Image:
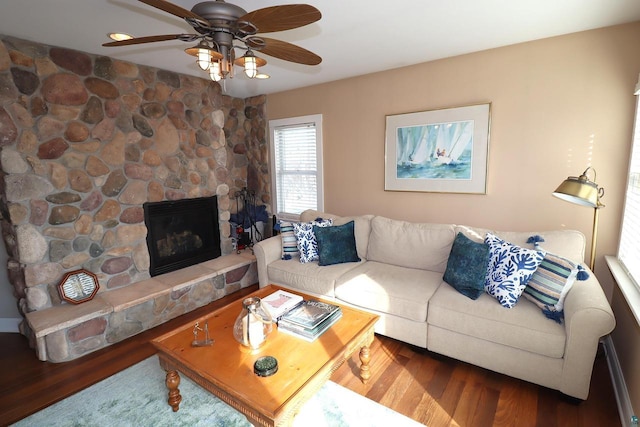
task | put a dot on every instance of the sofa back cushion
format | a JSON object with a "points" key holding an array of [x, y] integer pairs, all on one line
{"points": [[362, 226], [566, 243], [408, 244]]}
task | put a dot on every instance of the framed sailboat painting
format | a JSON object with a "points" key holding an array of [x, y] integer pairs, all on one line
{"points": [[443, 151]]}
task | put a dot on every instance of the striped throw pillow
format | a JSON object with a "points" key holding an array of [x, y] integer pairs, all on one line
{"points": [[289, 241], [550, 284]]}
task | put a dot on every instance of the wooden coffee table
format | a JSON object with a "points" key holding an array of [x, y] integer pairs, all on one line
{"points": [[226, 368]]}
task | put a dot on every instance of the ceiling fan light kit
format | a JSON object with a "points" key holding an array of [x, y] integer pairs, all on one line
{"points": [[223, 27]]}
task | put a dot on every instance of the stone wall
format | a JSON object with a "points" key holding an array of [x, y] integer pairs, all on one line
{"points": [[87, 139]]}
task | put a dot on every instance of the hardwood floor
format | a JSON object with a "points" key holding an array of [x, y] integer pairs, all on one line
{"points": [[432, 389]]}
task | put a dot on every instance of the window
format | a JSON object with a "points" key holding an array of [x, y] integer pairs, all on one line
{"points": [[626, 266], [629, 250], [296, 158]]}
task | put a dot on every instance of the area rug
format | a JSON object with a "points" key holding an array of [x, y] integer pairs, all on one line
{"points": [[136, 397]]}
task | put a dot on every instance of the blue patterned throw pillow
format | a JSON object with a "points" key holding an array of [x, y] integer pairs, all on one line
{"points": [[307, 244], [510, 268]]}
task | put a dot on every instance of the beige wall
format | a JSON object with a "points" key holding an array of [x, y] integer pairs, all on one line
{"points": [[558, 106]]}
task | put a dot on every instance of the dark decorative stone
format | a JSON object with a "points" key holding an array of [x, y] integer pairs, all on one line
{"points": [[237, 274], [81, 244], [92, 112], [74, 61], [38, 107], [103, 68], [26, 81], [240, 149], [133, 215], [63, 214], [8, 129], [141, 124], [250, 112], [114, 184], [168, 77], [124, 121], [193, 118], [92, 201], [173, 181], [58, 249], [90, 328], [202, 138], [132, 153], [116, 265], [63, 198], [52, 149], [102, 88], [64, 89], [95, 250], [153, 110]]}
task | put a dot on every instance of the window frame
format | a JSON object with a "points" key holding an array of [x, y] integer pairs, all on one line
{"points": [[274, 124]]}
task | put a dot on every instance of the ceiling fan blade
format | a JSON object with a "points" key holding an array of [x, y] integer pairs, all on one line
{"points": [[152, 39], [173, 9], [280, 18], [286, 51]]}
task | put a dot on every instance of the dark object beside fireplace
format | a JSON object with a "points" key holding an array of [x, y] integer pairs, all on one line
{"points": [[181, 233]]}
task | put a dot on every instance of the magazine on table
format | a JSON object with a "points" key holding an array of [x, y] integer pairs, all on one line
{"points": [[279, 302], [310, 334], [309, 313]]}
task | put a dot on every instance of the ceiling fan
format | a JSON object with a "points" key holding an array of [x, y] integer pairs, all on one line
{"points": [[223, 27]]}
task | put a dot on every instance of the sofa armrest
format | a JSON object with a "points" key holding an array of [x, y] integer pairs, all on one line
{"points": [[266, 252], [587, 317]]}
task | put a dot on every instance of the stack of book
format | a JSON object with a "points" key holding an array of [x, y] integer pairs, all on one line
{"points": [[309, 319], [279, 302]]}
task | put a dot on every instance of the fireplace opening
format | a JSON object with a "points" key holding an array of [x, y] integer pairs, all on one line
{"points": [[181, 233]]}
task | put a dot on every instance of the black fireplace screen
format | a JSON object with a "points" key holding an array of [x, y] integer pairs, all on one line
{"points": [[181, 233]]}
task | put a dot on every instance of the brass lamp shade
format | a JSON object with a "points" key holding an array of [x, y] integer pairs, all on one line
{"points": [[582, 191], [579, 190]]}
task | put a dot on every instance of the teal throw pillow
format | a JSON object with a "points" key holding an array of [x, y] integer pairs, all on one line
{"points": [[467, 266], [337, 244]]}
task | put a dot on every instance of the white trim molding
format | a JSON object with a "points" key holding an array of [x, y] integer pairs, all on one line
{"points": [[625, 409]]}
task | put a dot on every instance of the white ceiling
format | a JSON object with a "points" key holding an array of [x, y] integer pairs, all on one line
{"points": [[354, 37]]}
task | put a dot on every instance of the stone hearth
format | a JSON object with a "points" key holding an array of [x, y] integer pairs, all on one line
{"points": [[86, 140]]}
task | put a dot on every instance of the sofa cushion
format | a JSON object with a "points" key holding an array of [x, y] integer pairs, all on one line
{"points": [[309, 277], [391, 289], [306, 238], [467, 266], [550, 284], [523, 326], [510, 268], [413, 245], [336, 244]]}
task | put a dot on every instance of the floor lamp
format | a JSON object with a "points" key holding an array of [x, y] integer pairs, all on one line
{"points": [[582, 191]]}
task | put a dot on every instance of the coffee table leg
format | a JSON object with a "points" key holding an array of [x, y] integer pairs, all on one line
{"points": [[173, 381], [365, 357]]}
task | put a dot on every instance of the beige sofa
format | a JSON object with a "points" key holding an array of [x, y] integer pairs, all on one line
{"points": [[400, 278]]}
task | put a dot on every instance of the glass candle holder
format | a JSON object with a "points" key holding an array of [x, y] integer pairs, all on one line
{"points": [[253, 325]]}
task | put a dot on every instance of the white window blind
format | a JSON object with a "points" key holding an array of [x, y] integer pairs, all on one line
{"points": [[629, 250], [296, 164]]}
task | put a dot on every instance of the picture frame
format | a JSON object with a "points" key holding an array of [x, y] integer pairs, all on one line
{"points": [[78, 286], [442, 151]]}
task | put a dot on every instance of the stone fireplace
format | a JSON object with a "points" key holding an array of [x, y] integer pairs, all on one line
{"points": [[85, 142]]}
